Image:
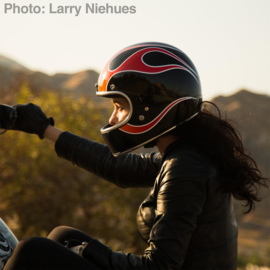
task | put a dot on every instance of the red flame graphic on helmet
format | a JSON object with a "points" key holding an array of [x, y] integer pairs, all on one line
{"points": [[135, 63], [141, 129]]}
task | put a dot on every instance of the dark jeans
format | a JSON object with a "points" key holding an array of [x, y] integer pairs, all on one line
{"points": [[50, 253]]}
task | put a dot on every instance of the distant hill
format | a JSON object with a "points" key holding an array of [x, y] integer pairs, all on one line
{"points": [[6, 62], [250, 112], [13, 75]]}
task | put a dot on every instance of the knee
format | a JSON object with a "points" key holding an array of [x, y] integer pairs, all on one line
{"points": [[24, 253], [27, 246]]}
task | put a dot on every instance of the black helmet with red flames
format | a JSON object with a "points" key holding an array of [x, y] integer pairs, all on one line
{"points": [[163, 90]]}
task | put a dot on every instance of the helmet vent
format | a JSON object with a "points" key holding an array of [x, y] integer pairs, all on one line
{"points": [[112, 86], [141, 117]]}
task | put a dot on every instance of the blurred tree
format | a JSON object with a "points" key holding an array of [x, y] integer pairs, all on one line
{"points": [[40, 191]]}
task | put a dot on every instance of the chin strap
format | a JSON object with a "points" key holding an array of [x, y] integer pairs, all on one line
{"points": [[151, 144]]}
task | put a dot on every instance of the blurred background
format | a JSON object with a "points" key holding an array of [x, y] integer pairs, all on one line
{"points": [[54, 60]]}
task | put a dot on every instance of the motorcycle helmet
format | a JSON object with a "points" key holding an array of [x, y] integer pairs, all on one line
{"points": [[162, 87]]}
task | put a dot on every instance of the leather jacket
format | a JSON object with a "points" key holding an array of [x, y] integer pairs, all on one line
{"points": [[186, 220]]}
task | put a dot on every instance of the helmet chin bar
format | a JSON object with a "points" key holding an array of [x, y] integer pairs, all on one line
{"points": [[109, 138]]}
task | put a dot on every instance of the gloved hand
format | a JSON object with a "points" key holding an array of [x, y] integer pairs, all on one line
{"points": [[8, 116], [31, 119]]}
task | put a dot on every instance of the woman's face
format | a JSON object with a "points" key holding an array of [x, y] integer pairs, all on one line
{"points": [[121, 110]]}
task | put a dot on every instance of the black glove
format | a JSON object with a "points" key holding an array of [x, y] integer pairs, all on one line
{"points": [[8, 116], [31, 119]]}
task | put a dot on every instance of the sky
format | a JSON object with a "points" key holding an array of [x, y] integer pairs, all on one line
{"points": [[228, 41]]}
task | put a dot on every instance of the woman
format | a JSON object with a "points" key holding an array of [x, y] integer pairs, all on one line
{"points": [[187, 220]]}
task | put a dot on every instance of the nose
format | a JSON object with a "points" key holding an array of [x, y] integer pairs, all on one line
{"points": [[113, 119]]}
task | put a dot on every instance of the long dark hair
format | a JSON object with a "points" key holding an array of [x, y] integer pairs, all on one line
{"points": [[223, 143]]}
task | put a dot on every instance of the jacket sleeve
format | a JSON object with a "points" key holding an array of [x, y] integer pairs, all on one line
{"points": [[130, 170], [181, 194]]}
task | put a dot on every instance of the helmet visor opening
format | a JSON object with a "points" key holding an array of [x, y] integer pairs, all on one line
{"points": [[123, 109]]}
